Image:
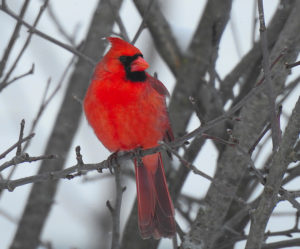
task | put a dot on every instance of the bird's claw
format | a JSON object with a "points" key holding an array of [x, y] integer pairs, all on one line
{"points": [[113, 158], [138, 156]]}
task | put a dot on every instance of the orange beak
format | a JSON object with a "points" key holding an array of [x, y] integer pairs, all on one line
{"points": [[139, 64]]}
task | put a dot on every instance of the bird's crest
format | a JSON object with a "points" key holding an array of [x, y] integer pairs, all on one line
{"points": [[119, 45]]}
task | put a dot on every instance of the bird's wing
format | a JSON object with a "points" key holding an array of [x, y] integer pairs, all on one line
{"points": [[158, 86]]}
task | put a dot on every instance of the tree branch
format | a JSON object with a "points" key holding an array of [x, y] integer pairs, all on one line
{"points": [[232, 166], [33, 30], [13, 38], [161, 32], [276, 133], [116, 211], [16, 145], [42, 194], [274, 179]]}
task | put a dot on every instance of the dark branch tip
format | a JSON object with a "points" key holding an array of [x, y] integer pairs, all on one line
{"points": [[109, 206]]}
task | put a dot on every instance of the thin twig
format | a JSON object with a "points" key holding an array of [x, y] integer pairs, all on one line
{"points": [[230, 112], [33, 30], [220, 140], [5, 84], [79, 157], [104, 165], [197, 110], [257, 173], [282, 244], [269, 197], [288, 233], [125, 172], [185, 214], [286, 195], [288, 66], [59, 26], [254, 18], [176, 143], [11, 184], [289, 89], [119, 21], [276, 133], [19, 148], [13, 38], [116, 211], [14, 65], [187, 164], [16, 145], [179, 231], [290, 197], [79, 165], [268, 127], [24, 158], [142, 25], [292, 174], [45, 102], [174, 241], [196, 171]]}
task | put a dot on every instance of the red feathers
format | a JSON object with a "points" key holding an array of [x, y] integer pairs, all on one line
{"points": [[126, 108]]}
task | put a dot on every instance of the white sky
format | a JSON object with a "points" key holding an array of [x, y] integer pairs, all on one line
{"points": [[76, 201]]}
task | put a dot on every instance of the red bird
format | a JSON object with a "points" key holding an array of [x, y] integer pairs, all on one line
{"points": [[126, 108]]}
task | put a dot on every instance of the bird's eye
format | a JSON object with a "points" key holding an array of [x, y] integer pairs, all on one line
{"points": [[123, 59], [127, 60]]}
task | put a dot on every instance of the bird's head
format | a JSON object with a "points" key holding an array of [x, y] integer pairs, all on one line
{"points": [[126, 58]]}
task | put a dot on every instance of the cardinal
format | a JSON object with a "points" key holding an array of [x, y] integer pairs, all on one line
{"points": [[126, 108]]}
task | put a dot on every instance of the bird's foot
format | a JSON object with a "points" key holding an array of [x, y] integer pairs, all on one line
{"points": [[111, 160], [138, 156]]}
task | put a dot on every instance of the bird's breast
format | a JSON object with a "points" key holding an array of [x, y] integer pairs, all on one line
{"points": [[126, 115]]}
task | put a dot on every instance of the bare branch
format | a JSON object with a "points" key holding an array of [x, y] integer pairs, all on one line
{"points": [[282, 244], [244, 67], [59, 26], [19, 148], [224, 212], [290, 196], [254, 11], [201, 173], [5, 84], [187, 164], [24, 158], [274, 179], [13, 38], [232, 166], [288, 66], [33, 30], [200, 59], [16, 145], [119, 21], [143, 23], [268, 127], [276, 133], [45, 101], [116, 211], [5, 80], [130, 155], [162, 35], [42, 194]]}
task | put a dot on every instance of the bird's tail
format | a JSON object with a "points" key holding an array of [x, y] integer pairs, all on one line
{"points": [[155, 208]]}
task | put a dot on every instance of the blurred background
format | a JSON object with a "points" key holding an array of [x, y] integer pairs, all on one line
{"points": [[79, 217]]}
